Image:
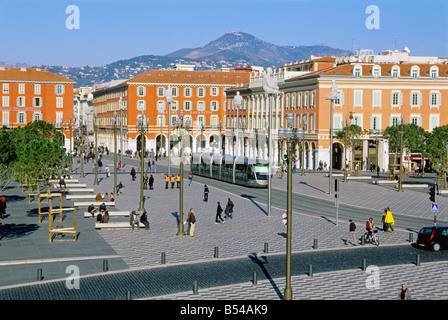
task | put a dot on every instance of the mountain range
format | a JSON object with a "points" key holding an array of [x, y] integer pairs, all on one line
{"points": [[233, 49]]}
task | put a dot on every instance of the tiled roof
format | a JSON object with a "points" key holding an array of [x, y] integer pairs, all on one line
{"points": [[347, 70], [31, 74], [192, 77]]}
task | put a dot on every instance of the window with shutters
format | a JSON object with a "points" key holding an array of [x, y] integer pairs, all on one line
{"points": [[415, 119], [434, 99], [433, 121], [415, 99], [339, 101], [21, 117], [376, 96], [396, 99], [375, 124], [357, 101]]}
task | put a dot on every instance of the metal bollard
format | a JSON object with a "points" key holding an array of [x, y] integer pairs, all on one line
{"points": [[128, 295], [195, 287], [363, 240], [163, 258], [310, 270], [39, 275], [266, 247], [105, 265], [254, 278], [315, 244], [216, 254], [364, 264], [411, 237], [417, 260]]}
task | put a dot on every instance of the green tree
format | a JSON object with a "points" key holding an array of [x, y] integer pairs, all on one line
{"points": [[436, 146]]}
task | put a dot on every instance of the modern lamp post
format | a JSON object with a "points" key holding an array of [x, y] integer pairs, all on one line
{"points": [[169, 99], [288, 135], [237, 103], [332, 96], [143, 128], [400, 184], [95, 130], [70, 158], [114, 128], [180, 125]]}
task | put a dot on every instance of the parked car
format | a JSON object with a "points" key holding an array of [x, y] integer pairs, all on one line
{"points": [[433, 237]]}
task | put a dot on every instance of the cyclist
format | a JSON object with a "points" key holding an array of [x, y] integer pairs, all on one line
{"points": [[369, 228]]}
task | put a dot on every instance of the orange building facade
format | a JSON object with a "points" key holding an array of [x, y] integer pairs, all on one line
{"points": [[30, 94], [200, 94], [372, 96]]}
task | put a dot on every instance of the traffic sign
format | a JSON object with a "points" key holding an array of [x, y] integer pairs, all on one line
{"points": [[434, 207]]}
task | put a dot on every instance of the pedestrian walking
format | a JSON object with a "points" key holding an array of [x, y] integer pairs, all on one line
{"points": [[172, 181], [404, 294], [134, 220], [178, 181], [191, 219], [389, 221], [151, 182], [230, 205], [285, 222], [218, 214], [133, 174], [205, 193], [100, 165], [107, 170], [352, 232], [145, 182], [2, 207], [144, 220], [167, 181], [190, 179]]}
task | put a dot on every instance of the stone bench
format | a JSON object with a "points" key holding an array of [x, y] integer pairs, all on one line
{"points": [[66, 181], [71, 185], [80, 196], [95, 203], [116, 225], [443, 191], [359, 178], [111, 214], [404, 185], [79, 190], [384, 182]]}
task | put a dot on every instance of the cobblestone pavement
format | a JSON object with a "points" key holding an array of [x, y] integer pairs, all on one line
{"points": [[25, 246]]}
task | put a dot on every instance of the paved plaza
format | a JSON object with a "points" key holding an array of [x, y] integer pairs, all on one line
{"points": [[26, 251]]}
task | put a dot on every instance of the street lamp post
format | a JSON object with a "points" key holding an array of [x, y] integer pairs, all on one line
{"points": [[71, 145], [180, 123], [82, 146], [288, 135], [143, 128], [114, 128], [169, 99], [237, 103], [332, 96], [347, 122], [95, 130], [400, 183]]}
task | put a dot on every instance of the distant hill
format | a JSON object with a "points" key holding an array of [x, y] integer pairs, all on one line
{"points": [[233, 49]]}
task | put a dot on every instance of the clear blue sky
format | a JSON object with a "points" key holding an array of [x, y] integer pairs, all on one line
{"points": [[35, 31]]}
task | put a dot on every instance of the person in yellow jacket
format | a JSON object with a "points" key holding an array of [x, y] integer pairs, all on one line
{"points": [[167, 180], [389, 221], [172, 181], [178, 181]]}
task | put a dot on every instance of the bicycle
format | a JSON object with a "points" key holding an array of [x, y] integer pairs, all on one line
{"points": [[374, 239]]}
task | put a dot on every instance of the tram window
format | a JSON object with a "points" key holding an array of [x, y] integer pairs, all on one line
{"points": [[227, 171], [205, 168], [250, 173], [215, 170], [240, 172], [262, 172]]}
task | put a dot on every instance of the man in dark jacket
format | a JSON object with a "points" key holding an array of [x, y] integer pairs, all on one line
{"points": [[352, 230], [218, 214]]}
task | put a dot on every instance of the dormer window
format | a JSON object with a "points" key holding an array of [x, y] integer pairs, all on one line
{"points": [[395, 72], [415, 72], [357, 71], [376, 71], [434, 72]]}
